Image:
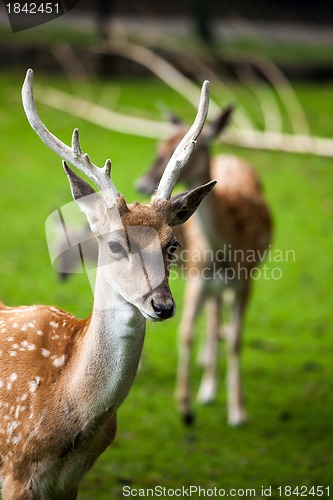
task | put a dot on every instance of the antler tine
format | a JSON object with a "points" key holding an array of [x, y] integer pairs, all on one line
{"points": [[76, 146], [74, 154], [184, 149]]}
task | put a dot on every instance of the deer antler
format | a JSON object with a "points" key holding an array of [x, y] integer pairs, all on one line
{"points": [[74, 155], [184, 149]]}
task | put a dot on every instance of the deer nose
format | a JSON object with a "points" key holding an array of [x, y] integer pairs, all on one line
{"points": [[163, 311]]}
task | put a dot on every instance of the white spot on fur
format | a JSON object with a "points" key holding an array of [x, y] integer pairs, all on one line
{"points": [[17, 439], [34, 384], [30, 347], [45, 353], [39, 332], [10, 339], [11, 427], [12, 353], [13, 377], [58, 362], [54, 324]]}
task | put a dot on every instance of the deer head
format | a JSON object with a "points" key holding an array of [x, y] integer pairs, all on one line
{"points": [[197, 167], [134, 240]]}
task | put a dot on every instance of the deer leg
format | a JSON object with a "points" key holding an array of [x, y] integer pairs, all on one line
{"points": [[236, 411], [208, 386], [228, 296], [193, 300]]}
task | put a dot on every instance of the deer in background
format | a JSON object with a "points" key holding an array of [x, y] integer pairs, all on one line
{"points": [[235, 219], [62, 379]]}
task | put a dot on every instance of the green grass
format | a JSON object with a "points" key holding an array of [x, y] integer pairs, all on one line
{"points": [[288, 343]]}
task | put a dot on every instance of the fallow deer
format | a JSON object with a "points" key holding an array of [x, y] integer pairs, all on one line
{"points": [[62, 379], [232, 224]]}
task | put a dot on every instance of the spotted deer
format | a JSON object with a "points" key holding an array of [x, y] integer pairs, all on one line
{"points": [[62, 379], [224, 243]]}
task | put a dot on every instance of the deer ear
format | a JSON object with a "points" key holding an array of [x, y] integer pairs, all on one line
{"points": [[185, 204], [85, 196], [216, 126], [79, 187]]}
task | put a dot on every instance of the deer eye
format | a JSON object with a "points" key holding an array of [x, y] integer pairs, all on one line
{"points": [[117, 249]]}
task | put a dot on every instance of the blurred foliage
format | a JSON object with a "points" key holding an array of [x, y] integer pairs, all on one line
{"points": [[84, 37]]}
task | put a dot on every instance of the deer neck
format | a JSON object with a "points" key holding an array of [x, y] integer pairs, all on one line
{"points": [[108, 356]]}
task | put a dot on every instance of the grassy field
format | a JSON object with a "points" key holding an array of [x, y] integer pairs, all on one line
{"points": [[288, 343]]}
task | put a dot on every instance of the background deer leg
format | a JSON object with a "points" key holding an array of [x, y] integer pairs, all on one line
{"points": [[209, 357], [236, 412], [192, 306]]}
